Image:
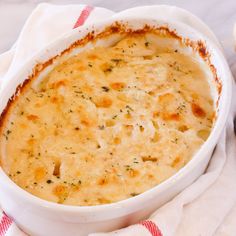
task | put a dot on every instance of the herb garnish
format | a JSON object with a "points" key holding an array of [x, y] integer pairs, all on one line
{"points": [[101, 127], [105, 89], [109, 69]]}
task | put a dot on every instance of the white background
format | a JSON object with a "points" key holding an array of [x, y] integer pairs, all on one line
{"points": [[220, 15]]}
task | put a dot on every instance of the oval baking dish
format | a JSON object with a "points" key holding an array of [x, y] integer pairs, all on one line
{"points": [[31, 212]]}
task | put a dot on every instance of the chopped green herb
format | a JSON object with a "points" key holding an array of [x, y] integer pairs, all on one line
{"points": [[105, 89], [101, 127], [8, 132], [117, 61], [127, 167], [109, 69], [130, 108], [175, 140]]}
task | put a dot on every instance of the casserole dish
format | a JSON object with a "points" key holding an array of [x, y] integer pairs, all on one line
{"points": [[31, 212]]}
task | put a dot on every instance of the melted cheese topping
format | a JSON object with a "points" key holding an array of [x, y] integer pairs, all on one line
{"points": [[108, 124]]}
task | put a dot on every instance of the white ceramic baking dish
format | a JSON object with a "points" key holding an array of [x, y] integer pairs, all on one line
{"points": [[42, 218]]}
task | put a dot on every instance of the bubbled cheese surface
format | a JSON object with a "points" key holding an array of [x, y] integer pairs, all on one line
{"points": [[108, 124]]}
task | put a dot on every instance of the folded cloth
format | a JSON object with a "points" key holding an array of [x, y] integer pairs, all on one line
{"points": [[205, 208]]}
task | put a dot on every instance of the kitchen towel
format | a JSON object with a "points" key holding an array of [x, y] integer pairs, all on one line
{"points": [[208, 206]]}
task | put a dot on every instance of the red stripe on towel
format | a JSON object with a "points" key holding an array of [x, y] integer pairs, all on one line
{"points": [[151, 227], [5, 224], [83, 16]]}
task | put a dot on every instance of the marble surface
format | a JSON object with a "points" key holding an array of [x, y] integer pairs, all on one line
{"points": [[219, 15]]}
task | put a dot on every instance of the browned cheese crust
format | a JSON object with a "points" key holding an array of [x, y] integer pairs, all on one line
{"points": [[109, 123]]}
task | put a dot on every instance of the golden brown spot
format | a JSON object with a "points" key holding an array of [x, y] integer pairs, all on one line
{"points": [[31, 141], [54, 100], [133, 173], [198, 111], [166, 98], [150, 176], [147, 57], [75, 187], [155, 114], [61, 192], [203, 134], [128, 129], [37, 104], [117, 85], [58, 84], [81, 68], [183, 128], [86, 122], [213, 116], [142, 117], [92, 56], [39, 173], [103, 200], [102, 181], [202, 49], [155, 124], [123, 97], [117, 140], [110, 123], [128, 116], [195, 96], [176, 162], [23, 125], [151, 93], [156, 137], [32, 117], [171, 117], [103, 102], [87, 89]]}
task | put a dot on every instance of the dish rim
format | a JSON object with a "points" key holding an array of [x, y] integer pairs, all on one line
{"points": [[139, 199]]}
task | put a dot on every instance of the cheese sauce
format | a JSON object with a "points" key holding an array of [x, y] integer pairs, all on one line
{"points": [[108, 124]]}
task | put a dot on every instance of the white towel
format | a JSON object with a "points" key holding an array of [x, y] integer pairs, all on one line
{"points": [[208, 206]]}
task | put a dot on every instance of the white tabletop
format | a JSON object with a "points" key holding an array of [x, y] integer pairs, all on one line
{"points": [[219, 15]]}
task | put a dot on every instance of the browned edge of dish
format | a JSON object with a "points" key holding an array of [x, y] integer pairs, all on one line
{"points": [[121, 28]]}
